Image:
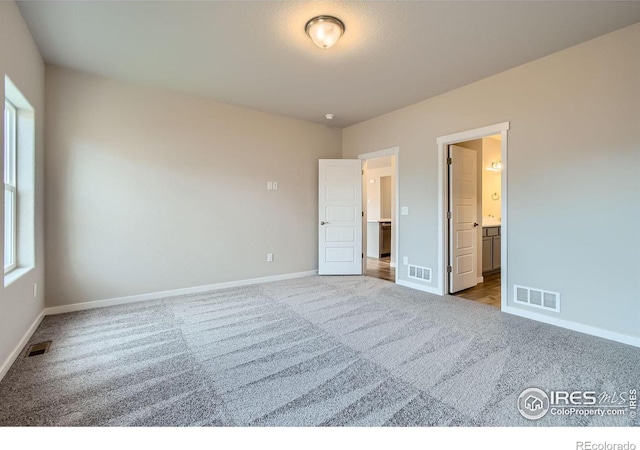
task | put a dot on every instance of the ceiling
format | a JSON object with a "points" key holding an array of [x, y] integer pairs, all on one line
{"points": [[255, 53]]}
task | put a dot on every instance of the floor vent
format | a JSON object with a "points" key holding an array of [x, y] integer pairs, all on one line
{"points": [[419, 273], [38, 349], [537, 298]]}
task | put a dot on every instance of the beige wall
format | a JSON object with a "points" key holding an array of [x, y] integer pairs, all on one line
{"points": [[374, 198], [149, 190], [20, 60], [491, 180], [385, 196], [573, 174]]}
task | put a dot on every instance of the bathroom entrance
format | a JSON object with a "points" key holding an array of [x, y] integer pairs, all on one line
{"points": [[473, 214], [474, 225]]}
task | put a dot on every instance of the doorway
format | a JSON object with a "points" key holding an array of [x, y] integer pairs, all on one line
{"points": [[473, 243], [379, 188], [484, 284]]}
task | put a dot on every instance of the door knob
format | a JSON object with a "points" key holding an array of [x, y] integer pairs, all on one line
{"points": [[475, 224], [324, 223]]}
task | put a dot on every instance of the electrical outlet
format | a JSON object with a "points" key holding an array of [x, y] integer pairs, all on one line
{"points": [[404, 211], [275, 185], [35, 290], [405, 260], [269, 257]]}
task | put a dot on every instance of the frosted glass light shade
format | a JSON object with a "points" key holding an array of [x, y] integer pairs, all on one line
{"points": [[324, 31]]}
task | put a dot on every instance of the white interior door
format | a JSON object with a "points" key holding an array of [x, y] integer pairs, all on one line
{"points": [[463, 205], [340, 216]]}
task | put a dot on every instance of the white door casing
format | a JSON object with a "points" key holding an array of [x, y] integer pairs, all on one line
{"points": [[463, 200], [340, 217]]}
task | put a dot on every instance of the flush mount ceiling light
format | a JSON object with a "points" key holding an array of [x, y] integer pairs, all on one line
{"points": [[324, 31], [328, 116]]}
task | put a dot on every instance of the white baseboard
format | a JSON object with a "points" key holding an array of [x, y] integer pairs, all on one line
{"points": [[164, 294], [480, 280], [392, 264], [6, 365], [587, 329], [419, 287]]}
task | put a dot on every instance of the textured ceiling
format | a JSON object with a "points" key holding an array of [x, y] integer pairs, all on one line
{"points": [[256, 54]]}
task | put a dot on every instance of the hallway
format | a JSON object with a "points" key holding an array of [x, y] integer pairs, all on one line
{"points": [[487, 292], [381, 268]]}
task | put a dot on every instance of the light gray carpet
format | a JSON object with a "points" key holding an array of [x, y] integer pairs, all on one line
{"points": [[330, 351]]}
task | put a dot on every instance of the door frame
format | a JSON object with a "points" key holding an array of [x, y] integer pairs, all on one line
{"points": [[392, 151], [443, 202]]}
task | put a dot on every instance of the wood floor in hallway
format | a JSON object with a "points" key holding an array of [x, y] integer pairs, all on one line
{"points": [[487, 292], [381, 268]]}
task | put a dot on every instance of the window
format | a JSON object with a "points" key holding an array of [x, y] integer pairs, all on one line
{"points": [[10, 187], [19, 184]]}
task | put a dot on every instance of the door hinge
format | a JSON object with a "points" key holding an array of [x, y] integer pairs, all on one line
{"points": [[448, 214], [362, 213], [363, 172], [449, 269], [363, 256], [449, 161]]}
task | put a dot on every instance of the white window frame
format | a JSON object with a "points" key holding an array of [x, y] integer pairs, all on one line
{"points": [[10, 181]]}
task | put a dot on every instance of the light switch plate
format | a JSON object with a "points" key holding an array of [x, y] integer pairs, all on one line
{"points": [[269, 257], [275, 185], [405, 260], [269, 185], [404, 211]]}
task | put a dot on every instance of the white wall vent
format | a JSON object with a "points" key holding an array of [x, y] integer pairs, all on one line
{"points": [[537, 298], [419, 273]]}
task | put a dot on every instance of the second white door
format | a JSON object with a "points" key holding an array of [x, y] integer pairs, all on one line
{"points": [[463, 206]]}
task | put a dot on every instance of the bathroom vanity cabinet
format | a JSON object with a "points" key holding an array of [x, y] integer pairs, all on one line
{"points": [[491, 254]]}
